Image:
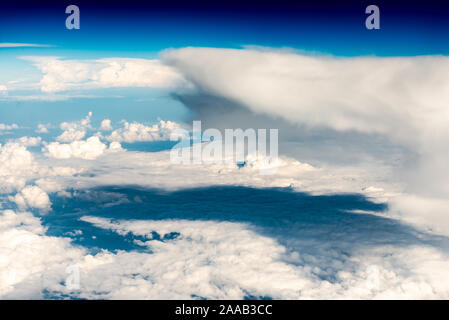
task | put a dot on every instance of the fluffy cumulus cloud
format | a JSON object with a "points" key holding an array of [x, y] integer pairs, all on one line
{"points": [[15, 159], [71, 135], [106, 125], [74, 131], [29, 141], [20, 168], [61, 75], [29, 260], [88, 149], [32, 197], [17, 164], [135, 132]]}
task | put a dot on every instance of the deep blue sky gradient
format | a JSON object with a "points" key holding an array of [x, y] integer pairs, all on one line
{"points": [[144, 28]]}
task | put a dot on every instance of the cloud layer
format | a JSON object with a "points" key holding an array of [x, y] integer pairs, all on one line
{"points": [[401, 97], [62, 75], [220, 260]]}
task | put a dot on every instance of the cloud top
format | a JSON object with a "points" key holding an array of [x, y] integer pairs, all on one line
{"points": [[62, 75], [404, 98]]}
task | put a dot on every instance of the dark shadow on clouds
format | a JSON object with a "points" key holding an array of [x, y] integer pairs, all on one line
{"points": [[314, 145], [299, 221]]}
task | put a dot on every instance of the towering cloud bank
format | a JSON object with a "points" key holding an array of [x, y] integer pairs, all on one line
{"points": [[403, 99]]}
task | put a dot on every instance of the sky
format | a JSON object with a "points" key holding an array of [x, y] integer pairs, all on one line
{"points": [[354, 206], [145, 29]]}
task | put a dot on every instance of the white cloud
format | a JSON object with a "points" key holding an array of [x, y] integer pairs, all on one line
{"points": [[133, 132], [49, 185], [155, 170], [429, 213], [225, 260], [19, 166], [115, 147], [3, 90], [71, 135], [62, 75], [41, 128], [218, 259], [127, 72], [89, 149], [210, 259], [106, 125], [48, 97], [83, 123], [369, 94], [32, 197], [29, 260], [74, 131], [17, 163], [64, 171], [21, 45], [30, 141]]}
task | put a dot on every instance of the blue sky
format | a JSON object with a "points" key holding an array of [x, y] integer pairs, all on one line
{"points": [[144, 29]]}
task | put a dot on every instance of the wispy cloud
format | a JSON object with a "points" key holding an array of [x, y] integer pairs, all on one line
{"points": [[23, 45]]}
